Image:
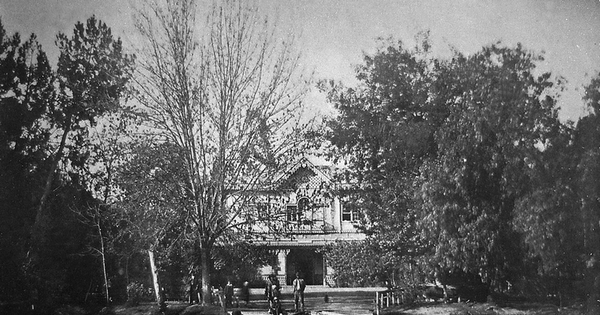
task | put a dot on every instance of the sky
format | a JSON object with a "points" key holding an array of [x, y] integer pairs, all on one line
{"points": [[334, 34]]}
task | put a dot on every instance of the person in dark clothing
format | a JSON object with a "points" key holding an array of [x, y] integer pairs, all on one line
{"points": [[192, 290], [229, 294], [272, 288], [272, 293], [246, 292], [299, 286]]}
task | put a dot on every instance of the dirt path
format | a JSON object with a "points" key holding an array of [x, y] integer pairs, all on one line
{"points": [[483, 309], [362, 304], [456, 309]]}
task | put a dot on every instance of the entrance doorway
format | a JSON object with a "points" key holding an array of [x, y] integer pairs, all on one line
{"points": [[306, 261]]}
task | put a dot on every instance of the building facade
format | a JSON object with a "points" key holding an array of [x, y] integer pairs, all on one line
{"points": [[306, 211]]}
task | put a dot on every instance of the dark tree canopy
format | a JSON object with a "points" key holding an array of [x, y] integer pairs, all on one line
{"points": [[44, 113], [499, 116], [25, 86], [449, 154]]}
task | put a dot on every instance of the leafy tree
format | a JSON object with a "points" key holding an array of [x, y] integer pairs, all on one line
{"points": [[44, 125], [67, 270], [548, 216], [559, 217], [151, 202], [383, 132], [239, 261], [587, 144], [26, 89], [356, 264], [445, 155], [47, 121], [373, 262], [103, 149], [499, 114], [92, 74], [228, 101]]}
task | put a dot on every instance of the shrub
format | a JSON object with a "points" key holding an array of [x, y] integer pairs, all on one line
{"points": [[136, 292]]}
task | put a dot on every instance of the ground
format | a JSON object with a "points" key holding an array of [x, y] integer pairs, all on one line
{"points": [[345, 306], [484, 309], [347, 301]]}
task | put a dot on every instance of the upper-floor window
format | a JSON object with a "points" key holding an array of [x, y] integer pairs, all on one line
{"points": [[303, 205], [263, 211], [293, 214], [349, 213], [296, 212]]}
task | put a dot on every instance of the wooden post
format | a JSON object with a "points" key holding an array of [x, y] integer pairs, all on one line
{"points": [[387, 300]]}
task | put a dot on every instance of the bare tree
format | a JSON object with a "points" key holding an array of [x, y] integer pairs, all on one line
{"points": [[230, 96]]}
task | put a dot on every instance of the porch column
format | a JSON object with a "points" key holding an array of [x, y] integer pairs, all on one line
{"points": [[329, 274], [324, 270], [282, 266], [337, 214]]}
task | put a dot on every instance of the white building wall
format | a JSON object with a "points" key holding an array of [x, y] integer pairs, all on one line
{"points": [[337, 215]]}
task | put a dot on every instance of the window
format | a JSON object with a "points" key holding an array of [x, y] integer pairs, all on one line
{"points": [[303, 206], [263, 211], [349, 214], [292, 213], [296, 212]]}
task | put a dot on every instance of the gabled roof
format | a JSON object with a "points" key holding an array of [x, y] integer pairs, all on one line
{"points": [[303, 168]]}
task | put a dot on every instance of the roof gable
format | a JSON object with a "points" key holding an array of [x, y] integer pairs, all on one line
{"points": [[303, 174]]}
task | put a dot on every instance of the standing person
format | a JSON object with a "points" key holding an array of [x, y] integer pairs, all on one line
{"points": [[272, 292], [272, 288], [228, 294], [276, 285], [246, 292], [268, 289], [192, 290], [299, 286]]}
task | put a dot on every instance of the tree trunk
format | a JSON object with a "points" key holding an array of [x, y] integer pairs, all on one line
{"points": [[593, 288], [48, 187], [593, 272], [155, 280], [102, 254], [205, 264]]}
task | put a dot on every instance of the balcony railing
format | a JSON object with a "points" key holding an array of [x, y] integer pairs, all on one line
{"points": [[309, 227]]}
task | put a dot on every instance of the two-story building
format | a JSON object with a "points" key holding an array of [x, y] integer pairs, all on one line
{"points": [[304, 211]]}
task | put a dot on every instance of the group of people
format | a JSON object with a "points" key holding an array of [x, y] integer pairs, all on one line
{"points": [[273, 294], [229, 294]]}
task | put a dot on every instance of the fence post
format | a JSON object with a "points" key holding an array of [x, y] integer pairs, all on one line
{"points": [[387, 300]]}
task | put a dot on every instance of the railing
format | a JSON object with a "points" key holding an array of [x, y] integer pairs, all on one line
{"points": [[387, 298], [310, 227]]}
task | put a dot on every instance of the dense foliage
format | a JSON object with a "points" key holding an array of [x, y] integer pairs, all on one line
{"points": [[383, 132], [498, 113], [463, 163], [25, 86], [44, 126]]}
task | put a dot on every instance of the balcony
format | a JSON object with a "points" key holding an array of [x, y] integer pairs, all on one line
{"points": [[309, 227]]}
